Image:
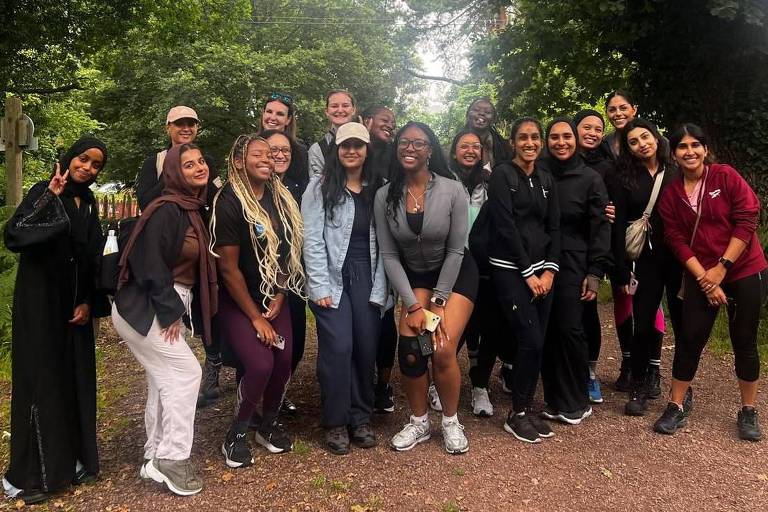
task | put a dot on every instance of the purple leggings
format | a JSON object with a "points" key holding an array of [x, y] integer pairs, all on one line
{"points": [[266, 370]]}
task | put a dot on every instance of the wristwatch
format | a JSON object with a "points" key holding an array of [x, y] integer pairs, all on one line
{"points": [[438, 301], [726, 263]]}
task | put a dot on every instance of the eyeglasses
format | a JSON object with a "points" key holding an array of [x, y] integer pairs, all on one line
{"points": [[281, 97], [418, 144], [285, 150], [476, 146]]}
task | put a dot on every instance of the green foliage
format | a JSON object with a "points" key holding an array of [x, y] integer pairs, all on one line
{"points": [[8, 266], [683, 60], [224, 66], [44, 42]]}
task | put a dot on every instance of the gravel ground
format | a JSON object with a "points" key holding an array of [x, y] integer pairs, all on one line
{"points": [[610, 462]]}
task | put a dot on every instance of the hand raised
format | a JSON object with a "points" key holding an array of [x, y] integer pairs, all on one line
{"points": [[58, 181]]}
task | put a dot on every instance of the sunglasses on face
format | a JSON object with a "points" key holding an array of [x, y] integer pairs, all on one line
{"points": [[418, 144], [281, 97]]}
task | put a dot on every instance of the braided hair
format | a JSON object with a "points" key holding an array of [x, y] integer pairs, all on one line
{"points": [[264, 238]]}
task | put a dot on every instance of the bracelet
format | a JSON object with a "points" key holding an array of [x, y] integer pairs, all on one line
{"points": [[408, 312]]}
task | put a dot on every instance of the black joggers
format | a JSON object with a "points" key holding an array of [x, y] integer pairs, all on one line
{"points": [[527, 320]]}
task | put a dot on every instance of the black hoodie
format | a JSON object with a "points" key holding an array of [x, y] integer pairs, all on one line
{"points": [[525, 217], [585, 233]]}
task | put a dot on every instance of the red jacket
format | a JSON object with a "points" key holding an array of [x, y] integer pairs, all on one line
{"points": [[729, 209]]}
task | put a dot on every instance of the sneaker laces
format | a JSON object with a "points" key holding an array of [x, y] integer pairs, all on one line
{"points": [[413, 429], [453, 430]]}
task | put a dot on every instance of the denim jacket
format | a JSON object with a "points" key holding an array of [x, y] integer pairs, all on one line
{"points": [[325, 248]]}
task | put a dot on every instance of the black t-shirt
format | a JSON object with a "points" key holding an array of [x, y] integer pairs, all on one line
{"points": [[359, 241], [232, 229]]}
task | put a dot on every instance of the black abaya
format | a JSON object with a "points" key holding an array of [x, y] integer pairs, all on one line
{"points": [[53, 406]]}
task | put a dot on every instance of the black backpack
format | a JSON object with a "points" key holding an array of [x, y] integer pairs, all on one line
{"points": [[482, 230]]}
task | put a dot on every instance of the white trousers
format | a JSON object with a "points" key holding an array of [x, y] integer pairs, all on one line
{"points": [[173, 380]]}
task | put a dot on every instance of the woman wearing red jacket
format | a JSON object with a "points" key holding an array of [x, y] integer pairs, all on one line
{"points": [[710, 217]]}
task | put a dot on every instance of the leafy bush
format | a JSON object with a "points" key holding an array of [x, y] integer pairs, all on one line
{"points": [[8, 264]]}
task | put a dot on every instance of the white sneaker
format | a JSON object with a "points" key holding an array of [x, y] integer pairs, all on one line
{"points": [[434, 399], [454, 438], [481, 403], [413, 433]]}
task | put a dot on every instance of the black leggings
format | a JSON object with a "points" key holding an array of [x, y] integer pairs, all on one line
{"points": [[654, 274], [592, 329], [299, 327], [744, 302], [487, 335], [385, 353], [528, 324]]}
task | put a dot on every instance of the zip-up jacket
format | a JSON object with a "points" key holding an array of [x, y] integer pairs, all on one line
{"points": [[525, 217], [729, 209], [585, 234], [440, 244]]}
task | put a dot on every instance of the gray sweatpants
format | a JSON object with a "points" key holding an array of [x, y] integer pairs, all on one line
{"points": [[173, 380]]}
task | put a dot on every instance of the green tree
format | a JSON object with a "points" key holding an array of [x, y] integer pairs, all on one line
{"points": [[684, 60]]}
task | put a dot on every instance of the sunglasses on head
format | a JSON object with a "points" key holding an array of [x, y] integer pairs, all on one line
{"points": [[281, 97]]}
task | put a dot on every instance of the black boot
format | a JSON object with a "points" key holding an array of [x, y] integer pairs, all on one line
{"points": [[638, 400], [624, 382], [653, 382]]}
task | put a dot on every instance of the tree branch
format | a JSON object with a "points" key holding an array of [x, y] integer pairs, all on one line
{"points": [[416, 74], [49, 90]]}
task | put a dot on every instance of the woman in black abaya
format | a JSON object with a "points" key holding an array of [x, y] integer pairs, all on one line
{"points": [[53, 410]]}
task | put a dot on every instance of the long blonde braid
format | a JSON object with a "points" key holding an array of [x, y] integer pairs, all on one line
{"points": [[264, 239]]}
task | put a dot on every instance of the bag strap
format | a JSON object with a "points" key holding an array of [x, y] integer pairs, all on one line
{"points": [[698, 205], [159, 161], [654, 194]]}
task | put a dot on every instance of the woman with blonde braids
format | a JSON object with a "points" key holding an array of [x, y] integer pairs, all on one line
{"points": [[257, 235]]}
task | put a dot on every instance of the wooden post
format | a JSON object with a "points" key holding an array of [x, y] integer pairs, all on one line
{"points": [[13, 152]]}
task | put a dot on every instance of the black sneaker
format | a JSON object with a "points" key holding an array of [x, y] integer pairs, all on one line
{"points": [[672, 419], [273, 437], [548, 413], [237, 453], [384, 400], [624, 382], [520, 426], [575, 417], [638, 401], [363, 436], [749, 428], [541, 426], [337, 440], [288, 408], [653, 383], [209, 385]]}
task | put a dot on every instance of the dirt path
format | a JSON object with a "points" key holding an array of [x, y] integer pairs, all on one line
{"points": [[610, 462]]}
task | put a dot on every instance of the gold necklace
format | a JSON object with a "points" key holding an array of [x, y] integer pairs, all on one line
{"points": [[416, 206]]}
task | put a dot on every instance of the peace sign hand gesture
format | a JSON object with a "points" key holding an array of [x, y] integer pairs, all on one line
{"points": [[58, 181]]}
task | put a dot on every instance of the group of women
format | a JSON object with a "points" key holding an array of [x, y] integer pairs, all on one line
{"points": [[502, 246]]}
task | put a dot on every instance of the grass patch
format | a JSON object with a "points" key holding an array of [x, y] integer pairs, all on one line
{"points": [[458, 471], [318, 481], [720, 340], [450, 507], [339, 486], [300, 447]]}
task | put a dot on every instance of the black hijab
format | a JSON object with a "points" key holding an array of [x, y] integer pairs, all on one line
{"points": [[85, 245], [555, 165], [81, 190]]}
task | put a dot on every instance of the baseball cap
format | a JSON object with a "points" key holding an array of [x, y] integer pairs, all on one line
{"points": [[181, 112], [352, 131]]}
